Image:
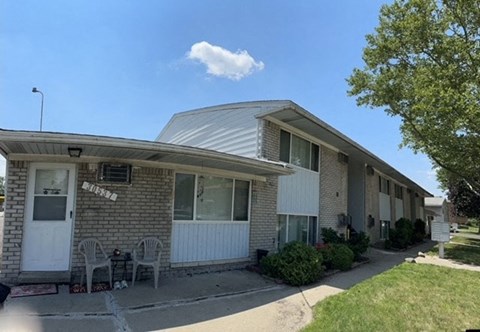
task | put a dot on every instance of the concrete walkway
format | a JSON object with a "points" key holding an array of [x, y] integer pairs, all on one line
{"points": [[227, 301]]}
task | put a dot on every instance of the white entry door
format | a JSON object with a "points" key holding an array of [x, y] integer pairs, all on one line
{"points": [[48, 222]]}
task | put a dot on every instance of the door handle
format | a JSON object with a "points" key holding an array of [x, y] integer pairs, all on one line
{"points": [[71, 214]]}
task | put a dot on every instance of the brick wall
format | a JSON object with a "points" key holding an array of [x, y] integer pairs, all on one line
{"points": [[372, 206], [264, 219], [142, 209], [13, 220], [333, 189]]}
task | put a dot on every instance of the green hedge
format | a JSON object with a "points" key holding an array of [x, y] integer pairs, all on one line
{"points": [[296, 264]]}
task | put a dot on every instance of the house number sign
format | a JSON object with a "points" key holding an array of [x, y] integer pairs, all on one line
{"points": [[99, 191]]}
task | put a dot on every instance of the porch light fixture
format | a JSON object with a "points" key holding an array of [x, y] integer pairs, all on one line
{"points": [[75, 152]]}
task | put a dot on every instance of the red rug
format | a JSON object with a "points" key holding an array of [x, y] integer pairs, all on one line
{"points": [[33, 290], [98, 287]]}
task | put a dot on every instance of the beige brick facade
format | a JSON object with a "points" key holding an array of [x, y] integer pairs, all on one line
{"points": [[333, 189], [143, 208], [372, 206], [13, 220]]}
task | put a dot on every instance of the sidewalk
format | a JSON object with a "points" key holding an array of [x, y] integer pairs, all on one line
{"points": [[227, 301]]}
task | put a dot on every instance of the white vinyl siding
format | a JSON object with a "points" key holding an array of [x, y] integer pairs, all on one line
{"points": [[232, 131], [398, 208], [209, 241], [299, 193], [385, 213]]}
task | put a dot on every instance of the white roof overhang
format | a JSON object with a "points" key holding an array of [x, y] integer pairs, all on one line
{"points": [[53, 147], [296, 117]]}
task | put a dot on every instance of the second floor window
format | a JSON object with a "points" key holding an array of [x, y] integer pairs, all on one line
{"points": [[298, 151], [384, 185]]}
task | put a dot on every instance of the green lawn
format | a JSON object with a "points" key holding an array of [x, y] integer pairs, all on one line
{"points": [[470, 229], [462, 250], [409, 297]]}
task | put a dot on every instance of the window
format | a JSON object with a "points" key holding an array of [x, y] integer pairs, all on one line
{"points": [[296, 228], [200, 197], [50, 195], [115, 173], [384, 185], [398, 191], [298, 151]]}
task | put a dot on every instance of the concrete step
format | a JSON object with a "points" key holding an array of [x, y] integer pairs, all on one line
{"points": [[41, 277]]}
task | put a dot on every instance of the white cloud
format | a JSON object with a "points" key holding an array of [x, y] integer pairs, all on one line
{"points": [[223, 63]]}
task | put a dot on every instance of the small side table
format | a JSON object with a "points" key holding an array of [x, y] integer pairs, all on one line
{"points": [[119, 260]]}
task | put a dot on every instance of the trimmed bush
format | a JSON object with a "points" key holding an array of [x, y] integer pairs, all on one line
{"points": [[297, 264], [327, 253], [419, 230], [329, 235], [342, 257], [401, 237], [358, 242]]}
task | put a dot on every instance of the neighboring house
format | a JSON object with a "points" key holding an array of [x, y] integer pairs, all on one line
{"points": [[62, 188], [436, 209], [336, 181]]}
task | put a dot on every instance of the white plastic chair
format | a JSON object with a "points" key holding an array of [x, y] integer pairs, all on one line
{"points": [[152, 252], [88, 248]]}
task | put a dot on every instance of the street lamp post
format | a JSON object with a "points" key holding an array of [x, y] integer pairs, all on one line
{"points": [[35, 90]]}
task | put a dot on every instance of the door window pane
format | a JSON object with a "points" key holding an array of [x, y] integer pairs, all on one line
{"points": [[51, 182], [240, 206], [49, 207], [300, 152], [284, 146], [184, 188], [214, 198]]}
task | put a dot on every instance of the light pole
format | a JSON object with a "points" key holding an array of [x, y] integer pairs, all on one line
{"points": [[35, 90]]}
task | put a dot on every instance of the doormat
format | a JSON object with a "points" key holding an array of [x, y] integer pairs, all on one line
{"points": [[33, 290], [97, 287]]}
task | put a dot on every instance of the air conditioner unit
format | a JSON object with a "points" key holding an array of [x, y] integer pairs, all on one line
{"points": [[115, 173]]}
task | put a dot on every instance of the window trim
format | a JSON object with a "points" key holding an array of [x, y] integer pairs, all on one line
{"points": [[195, 190]]}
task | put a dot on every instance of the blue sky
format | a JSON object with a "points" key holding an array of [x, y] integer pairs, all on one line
{"points": [[123, 68]]}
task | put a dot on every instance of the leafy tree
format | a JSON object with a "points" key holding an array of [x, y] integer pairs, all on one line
{"points": [[2, 186], [422, 64], [465, 200]]}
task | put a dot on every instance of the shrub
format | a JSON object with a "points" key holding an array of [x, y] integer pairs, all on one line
{"points": [[327, 254], [401, 237], [329, 235], [419, 230], [297, 264], [342, 257], [358, 243]]}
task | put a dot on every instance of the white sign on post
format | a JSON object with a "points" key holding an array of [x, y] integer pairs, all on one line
{"points": [[441, 231]]}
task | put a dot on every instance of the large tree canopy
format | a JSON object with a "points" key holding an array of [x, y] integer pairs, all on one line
{"points": [[465, 201], [422, 64]]}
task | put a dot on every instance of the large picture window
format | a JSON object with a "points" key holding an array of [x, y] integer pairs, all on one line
{"points": [[201, 197], [296, 228], [298, 151]]}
